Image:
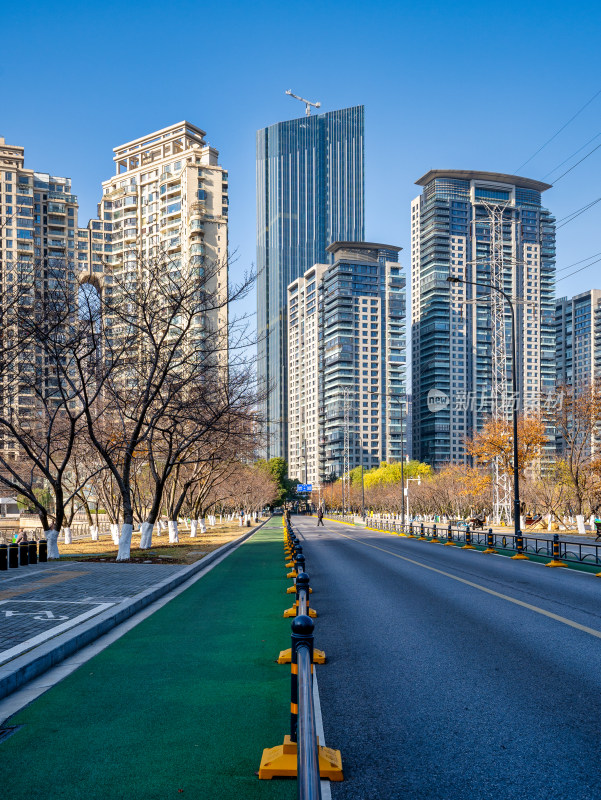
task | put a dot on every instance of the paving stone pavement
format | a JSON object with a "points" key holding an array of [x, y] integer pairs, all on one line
{"points": [[41, 601]]}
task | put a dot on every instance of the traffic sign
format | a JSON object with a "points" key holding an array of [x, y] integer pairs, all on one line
{"points": [[304, 487]]}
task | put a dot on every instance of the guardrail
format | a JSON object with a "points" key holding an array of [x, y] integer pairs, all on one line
{"points": [[555, 548], [301, 754], [350, 518]]}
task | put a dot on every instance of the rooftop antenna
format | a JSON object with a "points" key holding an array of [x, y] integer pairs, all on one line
{"points": [[307, 103]]}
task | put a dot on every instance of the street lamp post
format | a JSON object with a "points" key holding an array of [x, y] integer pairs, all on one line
{"points": [[514, 377]]}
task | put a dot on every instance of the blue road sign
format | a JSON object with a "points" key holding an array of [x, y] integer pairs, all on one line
{"points": [[304, 487]]}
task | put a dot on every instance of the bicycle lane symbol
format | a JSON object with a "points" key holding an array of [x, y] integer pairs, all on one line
{"points": [[42, 616]]}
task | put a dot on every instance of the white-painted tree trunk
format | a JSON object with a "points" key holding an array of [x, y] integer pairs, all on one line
{"points": [[202, 525], [549, 521], [146, 535], [521, 523], [220, 518], [173, 532], [52, 539], [125, 542], [115, 532], [240, 521], [193, 528], [68, 536], [94, 532], [580, 523]]}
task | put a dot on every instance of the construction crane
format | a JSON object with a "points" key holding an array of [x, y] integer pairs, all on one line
{"points": [[307, 103]]}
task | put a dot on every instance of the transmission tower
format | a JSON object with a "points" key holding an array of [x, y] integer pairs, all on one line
{"points": [[501, 407]]}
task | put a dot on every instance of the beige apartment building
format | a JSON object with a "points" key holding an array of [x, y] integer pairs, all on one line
{"points": [[38, 225], [168, 199]]}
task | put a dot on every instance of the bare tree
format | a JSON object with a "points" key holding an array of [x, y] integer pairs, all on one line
{"points": [[41, 421], [171, 333]]}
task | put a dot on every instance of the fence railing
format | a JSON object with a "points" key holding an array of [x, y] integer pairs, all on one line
{"points": [[571, 552], [301, 755]]}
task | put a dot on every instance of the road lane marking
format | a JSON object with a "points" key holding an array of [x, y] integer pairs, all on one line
{"points": [[509, 599], [34, 641]]}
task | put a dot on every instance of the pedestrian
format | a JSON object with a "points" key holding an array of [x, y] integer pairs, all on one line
{"points": [[22, 538], [320, 517], [598, 528]]}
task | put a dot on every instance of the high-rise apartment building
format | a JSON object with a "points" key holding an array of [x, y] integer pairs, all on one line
{"points": [[38, 216], [578, 339], [310, 189], [38, 225], [347, 362], [168, 199], [482, 227]]}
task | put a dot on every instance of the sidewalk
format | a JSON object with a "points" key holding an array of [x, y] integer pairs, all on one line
{"points": [[182, 704]]}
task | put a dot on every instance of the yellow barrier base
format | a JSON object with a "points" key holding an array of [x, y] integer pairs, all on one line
{"points": [[291, 574], [520, 557], [422, 539], [281, 761], [489, 550], [292, 612], [555, 563], [292, 590], [468, 547], [449, 544], [285, 656]]}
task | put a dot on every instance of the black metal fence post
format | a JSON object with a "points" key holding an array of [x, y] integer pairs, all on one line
{"points": [[43, 551], [468, 539], [490, 544], [23, 554], [13, 556], [519, 546]]}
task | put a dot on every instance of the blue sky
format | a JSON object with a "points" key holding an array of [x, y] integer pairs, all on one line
{"points": [[448, 85]]}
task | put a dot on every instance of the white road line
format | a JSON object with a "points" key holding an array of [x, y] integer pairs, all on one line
{"points": [[515, 601], [28, 644]]}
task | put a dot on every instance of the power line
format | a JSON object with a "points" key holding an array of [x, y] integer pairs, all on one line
{"points": [[571, 217], [582, 260], [563, 127], [556, 181], [578, 270], [575, 153]]}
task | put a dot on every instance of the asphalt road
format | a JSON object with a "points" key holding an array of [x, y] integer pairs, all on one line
{"points": [[482, 682]]}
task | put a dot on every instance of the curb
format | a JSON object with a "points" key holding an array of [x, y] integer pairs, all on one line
{"points": [[23, 669]]}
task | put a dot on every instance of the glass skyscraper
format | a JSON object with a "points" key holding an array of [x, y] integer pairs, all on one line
{"points": [[310, 193], [462, 225]]}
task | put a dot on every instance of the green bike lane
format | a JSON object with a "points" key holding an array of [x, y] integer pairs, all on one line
{"points": [[183, 704]]}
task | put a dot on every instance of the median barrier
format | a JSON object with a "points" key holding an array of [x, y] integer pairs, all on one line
{"points": [[302, 591], [561, 553], [301, 755]]}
